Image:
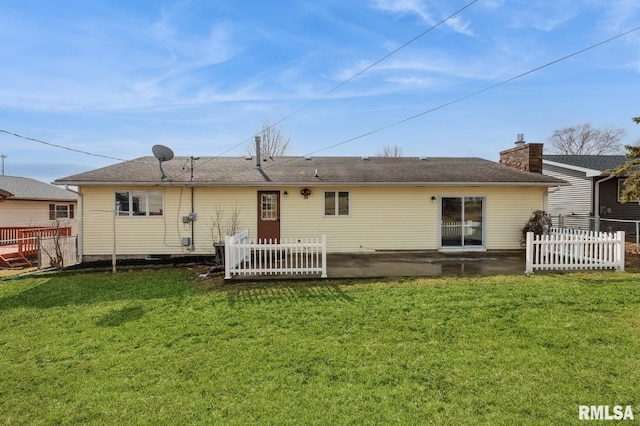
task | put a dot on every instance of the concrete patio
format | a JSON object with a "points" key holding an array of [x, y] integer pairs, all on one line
{"points": [[424, 263]]}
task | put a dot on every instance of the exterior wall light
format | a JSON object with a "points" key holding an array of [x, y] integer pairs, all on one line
{"points": [[305, 192]]}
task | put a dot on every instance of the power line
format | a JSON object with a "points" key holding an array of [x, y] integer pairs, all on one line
{"points": [[433, 27], [380, 129], [388, 55], [359, 73], [486, 89], [62, 147]]}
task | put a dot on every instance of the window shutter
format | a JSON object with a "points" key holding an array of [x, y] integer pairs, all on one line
{"points": [[70, 211], [52, 212]]}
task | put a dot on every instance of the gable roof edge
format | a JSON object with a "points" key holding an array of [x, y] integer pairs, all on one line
{"points": [[586, 171]]}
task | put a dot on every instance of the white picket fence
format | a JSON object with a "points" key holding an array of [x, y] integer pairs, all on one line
{"points": [[573, 249], [246, 256]]}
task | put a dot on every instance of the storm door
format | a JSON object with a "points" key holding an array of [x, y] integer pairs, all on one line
{"points": [[462, 222], [269, 215]]}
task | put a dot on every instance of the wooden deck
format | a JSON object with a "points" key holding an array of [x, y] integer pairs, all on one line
{"points": [[11, 257], [19, 246]]}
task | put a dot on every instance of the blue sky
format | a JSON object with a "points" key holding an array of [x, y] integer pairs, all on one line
{"points": [[114, 78]]}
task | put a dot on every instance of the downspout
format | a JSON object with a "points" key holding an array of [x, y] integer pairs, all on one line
{"points": [[596, 212]]}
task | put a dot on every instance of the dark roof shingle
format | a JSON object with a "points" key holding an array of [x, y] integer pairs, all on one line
{"points": [[315, 170], [592, 162]]}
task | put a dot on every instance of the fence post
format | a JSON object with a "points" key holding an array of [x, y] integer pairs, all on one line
{"points": [[39, 252], [324, 256], [529, 253], [620, 248], [227, 255]]}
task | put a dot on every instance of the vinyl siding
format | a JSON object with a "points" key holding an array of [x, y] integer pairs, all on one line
{"points": [[381, 218], [614, 208], [142, 235], [14, 213], [573, 199]]}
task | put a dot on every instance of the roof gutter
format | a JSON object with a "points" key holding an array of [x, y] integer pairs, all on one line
{"points": [[312, 183]]}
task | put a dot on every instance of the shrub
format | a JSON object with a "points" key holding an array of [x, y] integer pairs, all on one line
{"points": [[539, 223]]}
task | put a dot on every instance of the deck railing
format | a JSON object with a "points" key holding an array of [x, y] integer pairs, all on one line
{"points": [[28, 238], [290, 256], [572, 249]]}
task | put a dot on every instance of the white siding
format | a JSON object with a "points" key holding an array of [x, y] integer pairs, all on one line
{"points": [[381, 218], [15, 213], [573, 199]]}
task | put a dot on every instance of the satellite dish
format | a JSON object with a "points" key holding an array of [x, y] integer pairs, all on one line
{"points": [[162, 153]]}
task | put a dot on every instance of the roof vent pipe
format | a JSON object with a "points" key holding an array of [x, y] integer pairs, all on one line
{"points": [[258, 165], [520, 139]]}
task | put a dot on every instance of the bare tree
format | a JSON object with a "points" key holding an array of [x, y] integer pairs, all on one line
{"points": [[390, 151], [274, 143], [586, 140]]}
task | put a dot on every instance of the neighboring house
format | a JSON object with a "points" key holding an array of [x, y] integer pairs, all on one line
{"points": [[360, 204], [594, 191], [26, 203]]}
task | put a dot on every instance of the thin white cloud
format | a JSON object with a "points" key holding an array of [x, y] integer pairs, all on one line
{"points": [[420, 9]]}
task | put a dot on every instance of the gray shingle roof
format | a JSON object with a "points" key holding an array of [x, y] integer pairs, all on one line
{"points": [[30, 189], [593, 162], [299, 170]]}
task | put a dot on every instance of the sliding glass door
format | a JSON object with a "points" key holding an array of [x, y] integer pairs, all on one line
{"points": [[462, 222]]}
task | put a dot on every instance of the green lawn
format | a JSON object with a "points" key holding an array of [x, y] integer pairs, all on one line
{"points": [[165, 347]]}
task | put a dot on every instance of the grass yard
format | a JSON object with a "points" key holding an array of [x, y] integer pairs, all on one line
{"points": [[165, 347]]}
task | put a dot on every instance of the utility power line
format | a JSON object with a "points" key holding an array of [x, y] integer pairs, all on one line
{"points": [[359, 73], [380, 129], [287, 116], [61, 146], [486, 89]]}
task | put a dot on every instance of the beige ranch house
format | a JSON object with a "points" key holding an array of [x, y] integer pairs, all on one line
{"points": [[184, 206]]}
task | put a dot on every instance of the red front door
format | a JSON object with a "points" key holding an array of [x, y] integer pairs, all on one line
{"points": [[269, 215]]}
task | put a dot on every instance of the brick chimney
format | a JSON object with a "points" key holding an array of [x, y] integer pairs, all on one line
{"points": [[525, 156]]}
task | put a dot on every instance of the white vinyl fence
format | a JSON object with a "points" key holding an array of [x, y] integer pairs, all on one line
{"points": [[572, 249], [246, 256]]}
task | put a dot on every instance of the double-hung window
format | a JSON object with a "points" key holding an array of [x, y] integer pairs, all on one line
{"points": [[139, 203], [60, 211], [336, 203]]}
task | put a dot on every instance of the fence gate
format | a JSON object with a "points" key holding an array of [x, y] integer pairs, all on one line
{"points": [[288, 256]]}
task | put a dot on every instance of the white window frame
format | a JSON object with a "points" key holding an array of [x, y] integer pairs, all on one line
{"points": [[464, 227], [273, 210], [130, 212], [337, 202], [66, 211]]}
